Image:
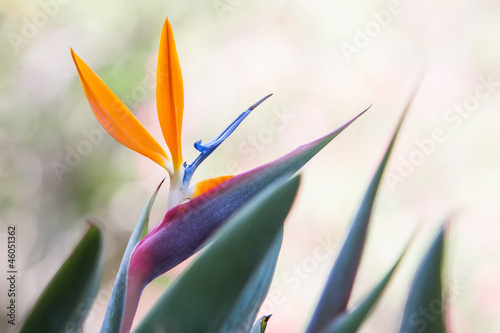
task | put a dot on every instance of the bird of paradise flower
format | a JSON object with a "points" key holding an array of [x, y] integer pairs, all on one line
{"points": [[194, 212]]}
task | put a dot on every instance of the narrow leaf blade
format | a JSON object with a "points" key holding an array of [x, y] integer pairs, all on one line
{"points": [[425, 306], [65, 302], [204, 295], [114, 312], [251, 298], [351, 320], [339, 285]]}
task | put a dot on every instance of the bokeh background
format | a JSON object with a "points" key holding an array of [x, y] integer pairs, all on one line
{"points": [[325, 62]]}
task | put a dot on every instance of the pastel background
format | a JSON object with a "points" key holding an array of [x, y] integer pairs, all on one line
{"points": [[325, 62]]}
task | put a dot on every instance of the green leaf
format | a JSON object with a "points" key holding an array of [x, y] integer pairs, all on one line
{"points": [[260, 325], [425, 306], [351, 320], [201, 299], [65, 302], [114, 312], [251, 298], [339, 285]]}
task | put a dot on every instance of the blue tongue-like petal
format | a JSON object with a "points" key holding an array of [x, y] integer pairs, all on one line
{"points": [[207, 148]]}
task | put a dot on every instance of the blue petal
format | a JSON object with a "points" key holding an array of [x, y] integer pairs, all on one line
{"points": [[207, 148]]}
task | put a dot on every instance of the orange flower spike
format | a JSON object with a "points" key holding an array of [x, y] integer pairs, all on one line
{"points": [[208, 184], [170, 94], [116, 118]]}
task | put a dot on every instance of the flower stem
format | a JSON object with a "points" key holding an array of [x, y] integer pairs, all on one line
{"points": [[135, 286], [177, 190]]}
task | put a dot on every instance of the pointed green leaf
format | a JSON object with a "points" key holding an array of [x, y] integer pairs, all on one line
{"points": [[65, 302], [339, 284], [260, 325], [114, 312], [249, 302], [201, 299], [425, 306], [351, 320]]}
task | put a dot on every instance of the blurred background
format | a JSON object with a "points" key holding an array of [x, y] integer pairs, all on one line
{"points": [[325, 62]]}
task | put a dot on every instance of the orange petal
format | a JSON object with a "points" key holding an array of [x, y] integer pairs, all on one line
{"points": [[208, 184], [116, 118], [170, 94]]}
